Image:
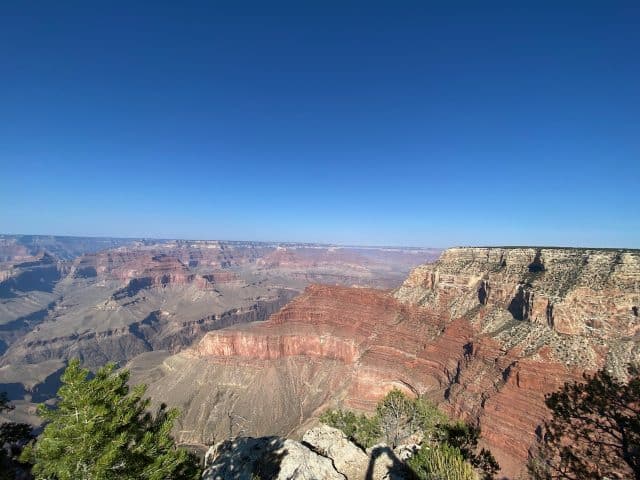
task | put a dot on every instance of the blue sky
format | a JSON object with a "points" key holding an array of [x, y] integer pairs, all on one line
{"points": [[395, 123]]}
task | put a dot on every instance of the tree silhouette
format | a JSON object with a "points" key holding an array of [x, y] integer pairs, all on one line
{"points": [[594, 431], [12, 437], [465, 437]]}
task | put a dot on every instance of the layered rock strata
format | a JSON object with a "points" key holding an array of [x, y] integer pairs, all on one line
{"points": [[485, 332], [104, 300], [572, 291]]}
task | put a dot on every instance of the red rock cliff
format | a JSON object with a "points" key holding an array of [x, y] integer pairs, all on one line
{"points": [[486, 332]]}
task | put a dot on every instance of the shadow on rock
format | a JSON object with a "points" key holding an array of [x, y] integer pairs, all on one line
{"points": [[384, 463], [266, 458], [245, 458]]}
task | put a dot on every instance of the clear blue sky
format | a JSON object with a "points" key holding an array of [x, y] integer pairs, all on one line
{"points": [[405, 123]]}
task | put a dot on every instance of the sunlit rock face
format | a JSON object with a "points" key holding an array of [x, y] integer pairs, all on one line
{"points": [[485, 332], [540, 317], [276, 458], [573, 291]]}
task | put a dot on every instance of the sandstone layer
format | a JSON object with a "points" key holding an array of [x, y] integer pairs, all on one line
{"points": [[485, 332]]}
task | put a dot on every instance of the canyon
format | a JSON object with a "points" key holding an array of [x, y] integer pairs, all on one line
{"points": [[255, 339], [110, 300], [483, 332]]}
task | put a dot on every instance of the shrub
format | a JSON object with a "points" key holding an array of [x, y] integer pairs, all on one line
{"points": [[465, 438], [441, 462], [398, 418], [360, 429]]}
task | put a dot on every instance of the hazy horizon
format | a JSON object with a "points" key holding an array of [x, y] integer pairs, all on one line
{"points": [[325, 244]]}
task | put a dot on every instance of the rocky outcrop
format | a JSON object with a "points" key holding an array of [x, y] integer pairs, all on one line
{"points": [[40, 273], [541, 317], [330, 442], [324, 453], [572, 291], [381, 342], [485, 332], [266, 457]]}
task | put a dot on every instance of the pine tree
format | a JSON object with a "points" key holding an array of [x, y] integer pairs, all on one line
{"points": [[100, 429]]}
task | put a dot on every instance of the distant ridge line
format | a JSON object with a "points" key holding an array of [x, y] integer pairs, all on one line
{"points": [[513, 247]]}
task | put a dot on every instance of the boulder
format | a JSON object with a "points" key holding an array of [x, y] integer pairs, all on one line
{"points": [[347, 458], [266, 458]]}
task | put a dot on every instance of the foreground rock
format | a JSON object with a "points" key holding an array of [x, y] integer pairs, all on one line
{"points": [[380, 462], [347, 458], [247, 458], [325, 453]]}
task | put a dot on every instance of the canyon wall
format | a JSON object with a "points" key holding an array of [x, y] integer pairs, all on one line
{"points": [[573, 291], [541, 317], [103, 300], [484, 332]]}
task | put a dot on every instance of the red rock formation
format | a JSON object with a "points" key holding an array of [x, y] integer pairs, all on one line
{"points": [[266, 347], [484, 332], [144, 269]]}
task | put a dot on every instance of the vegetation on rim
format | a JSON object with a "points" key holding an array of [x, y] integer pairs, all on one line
{"points": [[449, 450]]}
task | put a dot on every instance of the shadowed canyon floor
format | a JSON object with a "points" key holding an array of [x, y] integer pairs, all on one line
{"points": [[485, 332]]}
